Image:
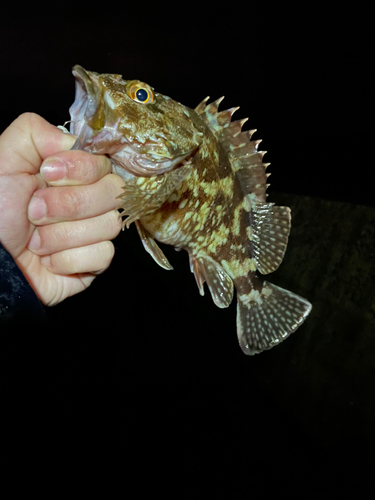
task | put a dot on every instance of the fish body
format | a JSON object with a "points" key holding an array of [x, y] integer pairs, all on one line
{"points": [[194, 180]]}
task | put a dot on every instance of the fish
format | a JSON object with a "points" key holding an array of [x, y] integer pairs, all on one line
{"points": [[195, 180]]}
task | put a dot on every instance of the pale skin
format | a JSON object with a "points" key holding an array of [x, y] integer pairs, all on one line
{"points": [[58, 230]]}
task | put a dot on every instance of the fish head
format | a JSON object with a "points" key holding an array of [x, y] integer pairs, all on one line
{"points": [[143, 132]]}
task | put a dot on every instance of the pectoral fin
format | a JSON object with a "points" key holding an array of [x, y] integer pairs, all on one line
{"points": [[144, 195]]}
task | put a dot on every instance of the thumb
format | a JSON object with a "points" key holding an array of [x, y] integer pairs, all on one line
{"points": [[27, 142]]}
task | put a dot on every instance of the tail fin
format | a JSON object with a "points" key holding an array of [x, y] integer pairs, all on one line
{"points": [[267, 317]]}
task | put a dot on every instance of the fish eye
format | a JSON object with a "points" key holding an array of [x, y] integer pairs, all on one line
{"points": [[141, 92], [142, 95]]}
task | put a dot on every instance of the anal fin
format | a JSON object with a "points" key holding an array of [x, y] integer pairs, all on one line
{"points": [[218, 281]]}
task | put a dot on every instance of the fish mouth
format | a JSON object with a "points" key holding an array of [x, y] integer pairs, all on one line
{"points": [[84, 106], [91, 121], [96, 125]]}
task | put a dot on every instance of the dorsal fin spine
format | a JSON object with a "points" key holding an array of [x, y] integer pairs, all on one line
{"points": [[245, 159]]}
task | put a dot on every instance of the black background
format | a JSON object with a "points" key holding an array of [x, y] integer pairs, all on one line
{"points": [[140, 359]]}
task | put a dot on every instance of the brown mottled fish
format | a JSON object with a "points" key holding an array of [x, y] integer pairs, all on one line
{"points": [[194, 180]]}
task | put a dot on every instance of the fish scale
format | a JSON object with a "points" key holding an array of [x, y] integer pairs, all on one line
{"points": [[194, 180]]}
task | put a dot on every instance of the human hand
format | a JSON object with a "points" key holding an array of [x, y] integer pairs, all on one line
{"points": [[57, 231]]}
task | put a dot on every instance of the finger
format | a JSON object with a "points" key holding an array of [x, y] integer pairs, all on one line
{"points": [[53, 238], [57, 204], [93, 259], [74, 167], [28, 141]]}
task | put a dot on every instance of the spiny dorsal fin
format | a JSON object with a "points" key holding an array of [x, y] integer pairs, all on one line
{"points": [[201, 106], [245, 159]]}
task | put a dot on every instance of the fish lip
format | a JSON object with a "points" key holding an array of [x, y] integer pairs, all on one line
{"points": [[86, 101], [140, 165], [80, 72]]}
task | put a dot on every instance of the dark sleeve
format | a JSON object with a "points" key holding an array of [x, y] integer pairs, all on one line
{"points": [[18, 302]]}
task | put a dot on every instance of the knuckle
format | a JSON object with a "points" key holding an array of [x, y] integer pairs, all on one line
{"points": [[70, 202], [27, 117], [85, 166], [61, 236], [91, 165], [103, 163], [94, 259], [28, 120], [69, 261], [113, 223], [107, 250]]}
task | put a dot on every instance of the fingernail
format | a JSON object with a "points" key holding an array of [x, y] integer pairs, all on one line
{"points": [[37, 208], [34, 243], [53, 170], [46, 261]]}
